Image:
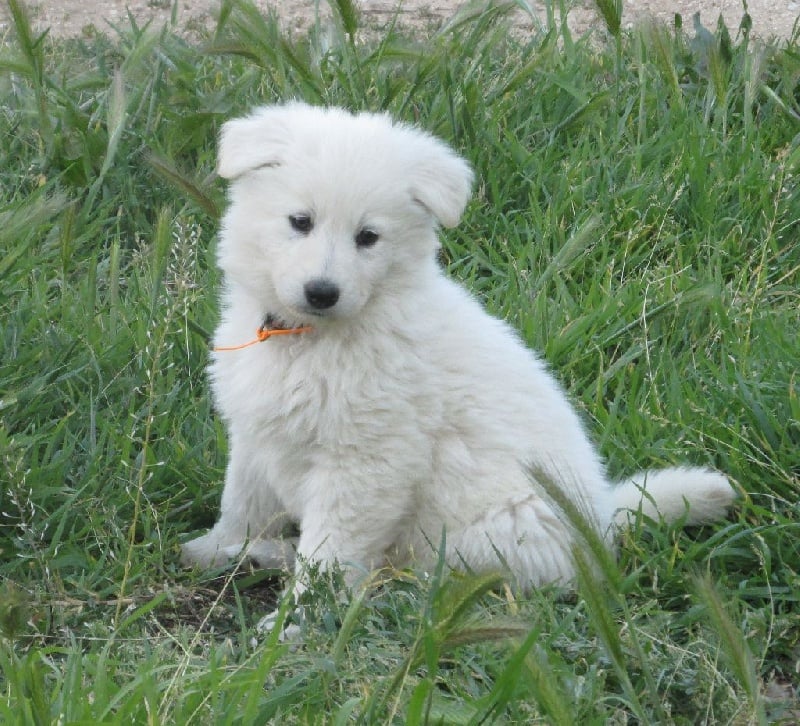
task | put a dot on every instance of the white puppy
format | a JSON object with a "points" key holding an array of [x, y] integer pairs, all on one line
{"points": [[403, 410]]}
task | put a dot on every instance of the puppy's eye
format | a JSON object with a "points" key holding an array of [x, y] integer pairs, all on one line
{"points": [[366, 238], [301, 223]]}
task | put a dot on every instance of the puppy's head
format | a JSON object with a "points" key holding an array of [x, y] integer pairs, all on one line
{"points": [[330, 210]]}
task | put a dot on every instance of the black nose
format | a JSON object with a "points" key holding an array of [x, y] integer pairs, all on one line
{"points": [[321, 294]]}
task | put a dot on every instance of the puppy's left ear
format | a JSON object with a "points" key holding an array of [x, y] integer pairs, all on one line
{"points": [[254, 141], [441, 181], [241, 148]]}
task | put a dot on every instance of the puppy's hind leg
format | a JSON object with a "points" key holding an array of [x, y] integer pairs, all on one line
{"points": [[527, 536]]}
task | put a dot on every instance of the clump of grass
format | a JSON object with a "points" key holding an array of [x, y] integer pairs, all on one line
{"points": [[635, 219]]}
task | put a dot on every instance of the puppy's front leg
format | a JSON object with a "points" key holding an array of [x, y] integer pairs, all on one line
{"points": [[251, 518], [335, 531], [321, 547], [327, 540]]}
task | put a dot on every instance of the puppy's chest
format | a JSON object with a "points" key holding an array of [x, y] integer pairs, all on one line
{"points": [[319, 410], [321, 399]]}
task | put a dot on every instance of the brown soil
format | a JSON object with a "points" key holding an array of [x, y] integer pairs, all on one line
{"points": [[771, 18]]}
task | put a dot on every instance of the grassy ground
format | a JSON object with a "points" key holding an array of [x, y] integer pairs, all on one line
{"points": [[637, 219]]}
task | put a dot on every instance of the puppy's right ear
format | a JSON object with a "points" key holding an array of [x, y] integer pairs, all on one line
{"points": [[251, 143], [440, 179], [442, 183]]}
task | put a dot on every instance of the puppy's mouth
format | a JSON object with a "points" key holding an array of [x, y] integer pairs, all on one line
{"points": [[306, 314], [275, 322]]}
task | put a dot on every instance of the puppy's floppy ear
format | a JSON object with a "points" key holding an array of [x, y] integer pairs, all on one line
{"points": [[253, 141], [441, 181]]}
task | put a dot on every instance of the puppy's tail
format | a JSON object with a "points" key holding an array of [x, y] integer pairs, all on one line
{"points": [[701, 495]]}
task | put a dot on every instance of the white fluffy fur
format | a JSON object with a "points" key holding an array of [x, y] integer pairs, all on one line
{"points": [[408, 410]]}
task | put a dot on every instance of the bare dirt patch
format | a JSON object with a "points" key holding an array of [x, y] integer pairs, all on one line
{"points": [[771, 18]]}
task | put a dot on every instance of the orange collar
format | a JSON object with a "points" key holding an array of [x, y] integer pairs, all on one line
{"points": [[271, 326]]}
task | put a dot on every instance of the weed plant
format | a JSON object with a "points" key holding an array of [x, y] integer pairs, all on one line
{"points": [[636, 218]]}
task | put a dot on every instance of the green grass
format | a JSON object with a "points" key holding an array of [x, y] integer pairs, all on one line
{"points": [[637, 218]]}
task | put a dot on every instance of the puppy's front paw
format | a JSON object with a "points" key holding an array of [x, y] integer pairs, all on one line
{"points": [[207, 551], [289, 631]]}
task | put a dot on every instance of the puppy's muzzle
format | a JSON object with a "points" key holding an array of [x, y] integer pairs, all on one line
{"points": [[321, 294]]}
